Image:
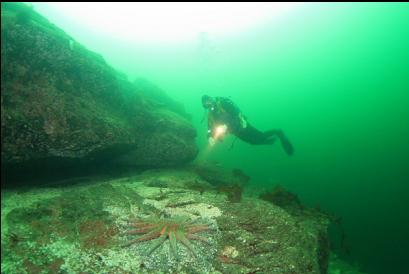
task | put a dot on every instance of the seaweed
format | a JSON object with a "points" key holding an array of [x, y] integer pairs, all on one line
{"points": [[234, 192], [279, 196]]}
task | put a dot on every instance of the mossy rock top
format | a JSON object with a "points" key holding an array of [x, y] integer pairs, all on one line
{"points": [[62, 102]]}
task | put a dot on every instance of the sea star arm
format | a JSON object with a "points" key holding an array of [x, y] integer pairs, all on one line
{"points": [[154, 234], [157, 244]]}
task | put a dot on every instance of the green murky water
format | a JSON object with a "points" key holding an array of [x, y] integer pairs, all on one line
{"points": [[333, 77]]}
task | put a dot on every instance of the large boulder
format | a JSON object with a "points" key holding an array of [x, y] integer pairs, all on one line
{"points": [[62, 104]]}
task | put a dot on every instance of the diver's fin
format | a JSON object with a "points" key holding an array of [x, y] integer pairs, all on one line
{"points": [[288, 147]]}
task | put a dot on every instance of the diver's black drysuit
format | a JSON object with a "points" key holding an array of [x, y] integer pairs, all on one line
{"points": [[224, 111]]}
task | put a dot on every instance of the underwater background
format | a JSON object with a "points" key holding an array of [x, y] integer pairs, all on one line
{"points": [[333, 76]]}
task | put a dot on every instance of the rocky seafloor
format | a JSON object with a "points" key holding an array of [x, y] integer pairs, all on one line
{"points": [[81, 226]]}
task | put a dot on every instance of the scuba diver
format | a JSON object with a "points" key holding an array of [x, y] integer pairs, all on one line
{"points": [[225, 117]]}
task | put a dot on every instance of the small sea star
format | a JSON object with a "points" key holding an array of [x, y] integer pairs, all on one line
{"points": [[174, 229]]}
